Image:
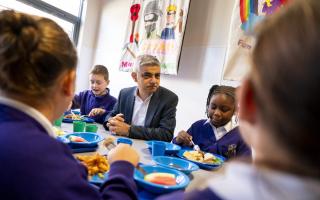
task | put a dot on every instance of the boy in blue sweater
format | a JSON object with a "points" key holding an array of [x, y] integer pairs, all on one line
{"points": [[97, 102], [216, 134]]}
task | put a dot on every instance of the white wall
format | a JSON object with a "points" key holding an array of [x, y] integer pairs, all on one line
{"points": [[202, 56]]}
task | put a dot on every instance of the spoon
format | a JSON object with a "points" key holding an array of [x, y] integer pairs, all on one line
{"points": [[83, 116]]}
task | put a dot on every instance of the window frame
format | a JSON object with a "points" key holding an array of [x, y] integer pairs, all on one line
{"points": [[50, 9]]}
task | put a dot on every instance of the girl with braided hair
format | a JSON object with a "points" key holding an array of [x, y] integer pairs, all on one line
{"points": [[216, 134]]}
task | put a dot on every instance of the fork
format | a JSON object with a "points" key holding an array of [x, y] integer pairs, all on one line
{"points": [[84, 116], [195, 146], [72, 113]]}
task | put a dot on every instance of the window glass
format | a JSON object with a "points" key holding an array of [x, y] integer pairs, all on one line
{"points": [[70, 6], [67, 26]]}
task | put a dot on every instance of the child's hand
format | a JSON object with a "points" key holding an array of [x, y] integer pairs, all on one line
{"points": [[184, 138], [96, 112], [123, 152]]}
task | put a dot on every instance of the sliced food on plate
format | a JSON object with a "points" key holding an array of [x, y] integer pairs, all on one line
{"points": [[74, 138], [73, 116], [202, 157], [161, 178]]}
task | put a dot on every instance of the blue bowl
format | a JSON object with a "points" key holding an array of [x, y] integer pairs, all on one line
{"points": [[92, 139], [176, 163], [182, 179], [97, 180], [203, 165], [170, 148]]}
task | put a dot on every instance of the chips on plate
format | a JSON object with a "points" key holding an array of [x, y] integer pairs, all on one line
{"points": [[96, 164]]}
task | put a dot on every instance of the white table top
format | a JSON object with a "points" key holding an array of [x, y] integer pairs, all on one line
{"points": [[198, 178]]}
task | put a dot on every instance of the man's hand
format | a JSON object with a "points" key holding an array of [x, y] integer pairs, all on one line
{"points": [[123, 152], [118, 117], [96, 112], [117, 125], [184, 138]]}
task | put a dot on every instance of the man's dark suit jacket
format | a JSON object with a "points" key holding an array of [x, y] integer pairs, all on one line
{"points": [[161, 114]]}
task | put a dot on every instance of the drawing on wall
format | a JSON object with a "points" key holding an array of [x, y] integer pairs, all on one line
{"points": [[155, 27], [246, 14]]}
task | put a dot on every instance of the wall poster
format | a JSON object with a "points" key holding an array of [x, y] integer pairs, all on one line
{"points": [[155, 27], [246, 14]]}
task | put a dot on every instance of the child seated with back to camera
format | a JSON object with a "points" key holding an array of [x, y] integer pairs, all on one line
{"points": [[216, 134], [97, 102]]}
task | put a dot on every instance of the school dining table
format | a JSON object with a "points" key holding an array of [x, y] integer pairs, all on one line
{"points": [[197, 178]]}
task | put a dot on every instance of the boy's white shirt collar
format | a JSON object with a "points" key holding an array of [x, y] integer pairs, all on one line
{"points": [[33, 113], [245, 182]]}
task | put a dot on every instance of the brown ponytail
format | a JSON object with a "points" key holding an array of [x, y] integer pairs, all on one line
{"points": [[286, 76], [34, 51]]}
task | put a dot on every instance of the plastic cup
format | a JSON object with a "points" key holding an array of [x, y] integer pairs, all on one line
{"points": [[91, 128], [78, 126], [58, 121], [158, 148]]}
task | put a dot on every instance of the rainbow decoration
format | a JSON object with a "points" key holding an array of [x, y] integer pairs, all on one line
{"points": [[247, 7], [250, 15], [271, 6]]}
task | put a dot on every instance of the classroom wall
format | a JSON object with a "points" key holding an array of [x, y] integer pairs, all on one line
{"points": [[87, 42], [202, 56]]}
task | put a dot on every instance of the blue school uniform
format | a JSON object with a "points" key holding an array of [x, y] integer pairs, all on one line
{"points": [[86, 101], [34, 165], [230, 145]]}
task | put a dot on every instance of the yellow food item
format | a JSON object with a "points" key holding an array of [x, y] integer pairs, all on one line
{"points": [[96, 164], [193, 155], [73, 116], [58, 131], [201, 157]]}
